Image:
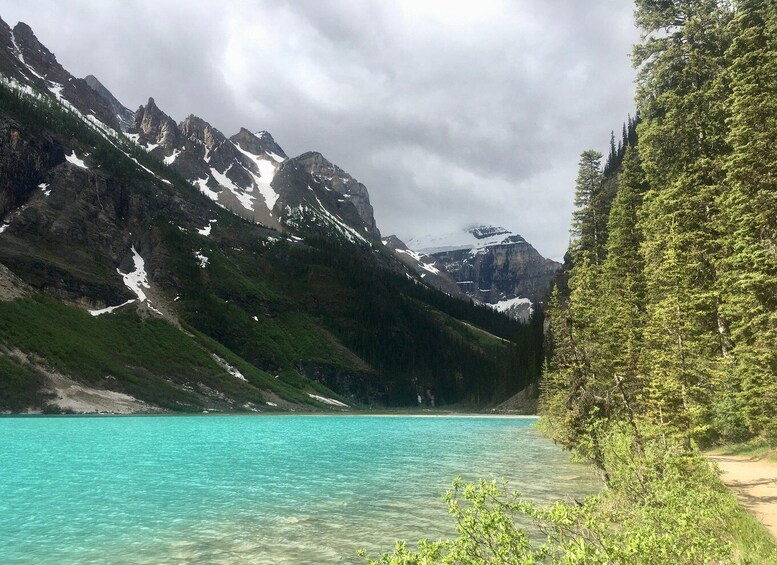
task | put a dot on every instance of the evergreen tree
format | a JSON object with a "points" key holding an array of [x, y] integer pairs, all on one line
{"points": [[613, 158], [622, 311], [588, 221], [748, 265], [682, 142], [567, 397]]}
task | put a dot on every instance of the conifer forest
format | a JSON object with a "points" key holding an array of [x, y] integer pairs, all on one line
{"points": [[666, 313]]}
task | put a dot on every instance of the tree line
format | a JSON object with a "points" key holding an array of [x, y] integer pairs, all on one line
{"points": [[663, 323], [666, 314]]}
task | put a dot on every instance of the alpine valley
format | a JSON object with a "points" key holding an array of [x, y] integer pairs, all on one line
{"points": [[151, 266]]}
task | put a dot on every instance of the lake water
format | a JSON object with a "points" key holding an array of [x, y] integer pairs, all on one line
{"points": [[252, 489]]}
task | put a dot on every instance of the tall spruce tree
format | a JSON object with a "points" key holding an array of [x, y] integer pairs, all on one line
{"points": [[588, 220], [748, 263], [622, 311], [682, 142]]}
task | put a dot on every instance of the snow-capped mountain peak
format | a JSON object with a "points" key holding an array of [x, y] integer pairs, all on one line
{"points": [[493, 265], [471, 238]]}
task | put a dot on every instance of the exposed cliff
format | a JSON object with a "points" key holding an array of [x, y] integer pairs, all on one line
{"points": [[492, 265]]}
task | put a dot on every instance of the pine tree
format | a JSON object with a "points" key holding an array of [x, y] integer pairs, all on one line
{"points": [[613, 158], [588, 220], [748, 265], [622, 311], [682, 142]]}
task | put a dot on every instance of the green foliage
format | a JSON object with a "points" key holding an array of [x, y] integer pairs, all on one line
{"points": [[148, 359], [663, 505], [682, 140], [20, 386], [589, 220], [673, 322], [747, 267]]}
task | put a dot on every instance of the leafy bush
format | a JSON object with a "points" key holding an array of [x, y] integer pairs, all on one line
{"points": [[664, 504]]}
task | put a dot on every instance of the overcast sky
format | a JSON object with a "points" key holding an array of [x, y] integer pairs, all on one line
{"points": [[451, 112]]}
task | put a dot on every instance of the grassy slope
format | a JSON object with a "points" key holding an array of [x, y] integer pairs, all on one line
{"points": [[149, 359]]}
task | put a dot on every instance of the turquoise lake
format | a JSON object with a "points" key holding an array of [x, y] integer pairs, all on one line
{"points": [[253, 489]]}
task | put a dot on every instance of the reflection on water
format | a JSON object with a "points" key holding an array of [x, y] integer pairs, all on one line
{"points": [[253, 489]]}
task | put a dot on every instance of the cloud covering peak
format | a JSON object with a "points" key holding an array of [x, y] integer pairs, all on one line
{"points": [[450, 112]]}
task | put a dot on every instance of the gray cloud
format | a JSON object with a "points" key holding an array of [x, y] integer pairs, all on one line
{"points": [[451, 112]]}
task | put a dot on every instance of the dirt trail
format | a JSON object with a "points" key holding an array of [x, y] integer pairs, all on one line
{"points": [[754, 482]]}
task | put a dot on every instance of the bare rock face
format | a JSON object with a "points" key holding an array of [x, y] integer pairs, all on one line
{"points": [[26, 60], [125, 116], [334, 178], [154, 127], [493, 265]]}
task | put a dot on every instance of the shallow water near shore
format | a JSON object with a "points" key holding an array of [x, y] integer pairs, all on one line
{"points": [[253, 489]]}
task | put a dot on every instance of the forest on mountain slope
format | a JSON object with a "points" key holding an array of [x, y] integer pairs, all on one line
{"points": [[310, 314]]}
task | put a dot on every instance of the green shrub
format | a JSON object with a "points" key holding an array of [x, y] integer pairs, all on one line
{"points": [[664, 504]]}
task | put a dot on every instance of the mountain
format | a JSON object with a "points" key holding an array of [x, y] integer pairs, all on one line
{"points": [[354, 194], [25, 61], [176, 269], [250, 175], [424, 266], [123, 114], [492, 265]]}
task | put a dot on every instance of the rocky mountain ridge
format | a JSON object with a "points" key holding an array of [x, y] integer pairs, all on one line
{"points": [[27, 62], [235, 172], [492, 265], [123, 114], [119, 274], [241, 174]]}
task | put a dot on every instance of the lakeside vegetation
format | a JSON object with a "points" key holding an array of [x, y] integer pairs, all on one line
{"points": [[663, 324], [664, 506]]}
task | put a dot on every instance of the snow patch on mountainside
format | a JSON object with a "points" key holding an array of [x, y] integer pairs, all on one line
{"points": [[170, 159], [138, 279], [206, 190], [206, 230], [110, 309], [329, 401], [505, 305], [266, 175], [420, 259], [73, 159], [228, 368], [476, 239], [202, 259], [246, 200]]}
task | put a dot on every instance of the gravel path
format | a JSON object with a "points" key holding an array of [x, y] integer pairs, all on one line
{"points": [[754, 482]]}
